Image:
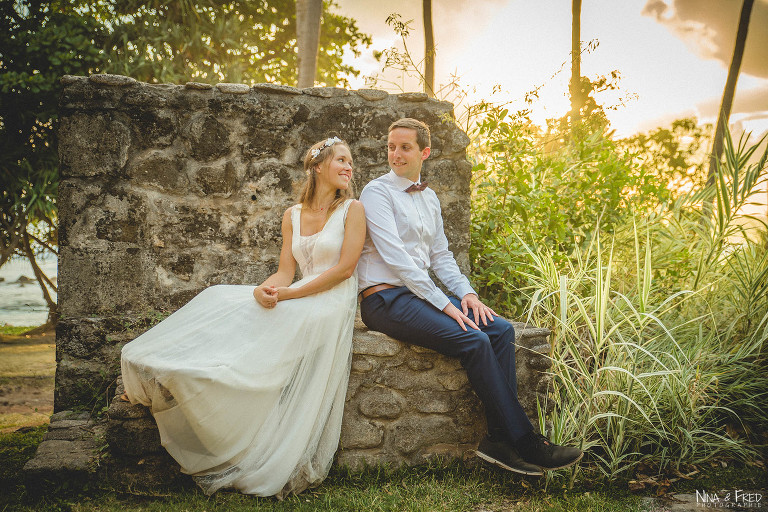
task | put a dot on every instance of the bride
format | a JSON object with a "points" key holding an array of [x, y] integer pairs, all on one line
{"points": [[249, 393]]}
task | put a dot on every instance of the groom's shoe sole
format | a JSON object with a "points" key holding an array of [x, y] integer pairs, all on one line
{"points": [[564, 465], [495, 462]]}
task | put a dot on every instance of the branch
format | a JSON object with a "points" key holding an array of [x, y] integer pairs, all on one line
{"points": [[41, 278], [45, 245]]}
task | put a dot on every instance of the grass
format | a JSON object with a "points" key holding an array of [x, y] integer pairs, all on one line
{"points": [[455, 487], [13, 330]]}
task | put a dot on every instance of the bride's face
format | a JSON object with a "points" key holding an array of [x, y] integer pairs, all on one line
{"points": [[337, 170]]}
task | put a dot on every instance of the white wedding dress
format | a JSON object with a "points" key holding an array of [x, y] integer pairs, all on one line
{"points": [[249, 397]]}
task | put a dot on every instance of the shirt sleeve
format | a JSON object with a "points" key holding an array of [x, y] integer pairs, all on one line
{"points": [[444, 264], [382, 228]]}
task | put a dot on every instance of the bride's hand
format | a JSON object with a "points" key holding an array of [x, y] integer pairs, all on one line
{"points": [[285, 293], [266, 296]]}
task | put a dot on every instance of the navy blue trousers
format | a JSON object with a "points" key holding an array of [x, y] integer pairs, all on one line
{"points": [[488, 355]]}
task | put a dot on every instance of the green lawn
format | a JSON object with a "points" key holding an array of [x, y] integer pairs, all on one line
{"points": [[458, 487]]}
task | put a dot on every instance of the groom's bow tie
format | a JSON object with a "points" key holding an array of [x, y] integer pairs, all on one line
{"points": [[417, 186]]}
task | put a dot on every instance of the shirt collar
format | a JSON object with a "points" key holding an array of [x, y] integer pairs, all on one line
{"points": [[399, 182]]}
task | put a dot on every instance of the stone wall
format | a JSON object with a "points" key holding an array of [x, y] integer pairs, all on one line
{"points": [[168, 189]]}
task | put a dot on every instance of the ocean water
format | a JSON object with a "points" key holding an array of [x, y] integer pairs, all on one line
{"points": [[23, 304]]}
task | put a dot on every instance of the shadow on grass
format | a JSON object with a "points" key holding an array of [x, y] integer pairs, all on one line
{"points": [[437, 486]]}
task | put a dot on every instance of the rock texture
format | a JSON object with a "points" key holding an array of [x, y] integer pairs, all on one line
{"points": [[168, 189], [69, 452], [404, 404]]}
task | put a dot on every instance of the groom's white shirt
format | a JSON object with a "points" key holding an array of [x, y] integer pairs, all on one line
{"points": [[405, 239]]}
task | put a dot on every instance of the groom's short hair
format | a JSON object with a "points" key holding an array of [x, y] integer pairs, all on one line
{"points": [[423, 139]]}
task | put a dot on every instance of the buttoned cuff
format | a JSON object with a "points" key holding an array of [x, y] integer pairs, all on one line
{"points": [[438, 299], [464, 289]]}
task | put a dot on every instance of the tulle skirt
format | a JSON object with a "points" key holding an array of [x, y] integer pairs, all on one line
{"points": [[244, 396]]}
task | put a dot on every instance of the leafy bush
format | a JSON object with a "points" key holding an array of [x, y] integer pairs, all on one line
{"points": [[551, 194], [655, 293]]}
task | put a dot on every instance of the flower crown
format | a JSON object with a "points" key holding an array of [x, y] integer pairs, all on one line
{"points": [[330, 141]]}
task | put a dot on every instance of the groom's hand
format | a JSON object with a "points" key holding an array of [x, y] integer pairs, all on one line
{"points": [[479, 310], [462, 319]]}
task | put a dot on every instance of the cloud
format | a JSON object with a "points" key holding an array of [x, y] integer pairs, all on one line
{"points": [[752, 101], [749, 107], [709, 29]]}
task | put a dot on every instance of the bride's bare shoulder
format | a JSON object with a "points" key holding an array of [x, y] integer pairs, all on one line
{"points": [[356, 207]]}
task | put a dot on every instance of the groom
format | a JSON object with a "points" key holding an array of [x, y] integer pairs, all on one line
{"points": [[406, 239]]}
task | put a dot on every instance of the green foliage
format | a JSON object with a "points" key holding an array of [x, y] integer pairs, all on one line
{"points": [[11, 330], [205, 40], [214, 41], [39, 44], [677, 155], [659, 340], [549, 192], [15, 450]]}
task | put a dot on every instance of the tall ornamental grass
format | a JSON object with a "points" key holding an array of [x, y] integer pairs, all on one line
{"points": [[658, 308]]}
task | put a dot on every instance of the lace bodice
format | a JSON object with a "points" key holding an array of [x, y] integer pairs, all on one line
{"points": [[320, 251]]}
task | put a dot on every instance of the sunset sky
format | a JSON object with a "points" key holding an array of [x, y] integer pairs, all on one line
{"points": [[673, 55]]}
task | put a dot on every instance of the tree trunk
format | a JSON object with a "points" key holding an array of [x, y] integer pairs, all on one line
{"points": [[429, 49], [308, 14], [730, 90], [575, 86], [42, 279]]}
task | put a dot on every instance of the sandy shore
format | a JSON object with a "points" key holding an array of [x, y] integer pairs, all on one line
{"points": [[27, 368]]}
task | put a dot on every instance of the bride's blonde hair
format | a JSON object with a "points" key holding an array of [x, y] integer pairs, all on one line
{"points": [[318, 154]]}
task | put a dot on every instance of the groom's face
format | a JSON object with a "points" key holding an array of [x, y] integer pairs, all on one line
{"points": [[404, 154]]}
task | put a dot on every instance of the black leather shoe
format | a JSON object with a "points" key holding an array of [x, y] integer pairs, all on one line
{"points": [[505, 456], [536, 449]]}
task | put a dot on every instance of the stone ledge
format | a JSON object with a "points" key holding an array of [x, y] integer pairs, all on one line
{"points": [[113, 80], [404, 404], [69, 455]]}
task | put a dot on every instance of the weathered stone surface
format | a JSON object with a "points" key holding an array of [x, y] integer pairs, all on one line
{"points": [[153, 127], [69, 454], [208, 137], [161, 170], [372, 94], [360, 434], [420, 364], [221, 179], [60, 455], [167, 190], [375, 344], [93, 145], [122, 410], [453, 380], [413, 96], [361, 364], [68, 415], [106, 79], [325, 92], [199, 86], [413, 432], [432, 402], [233, 88], [379, 402], [69, 79], [134, 437], [284, 89]]}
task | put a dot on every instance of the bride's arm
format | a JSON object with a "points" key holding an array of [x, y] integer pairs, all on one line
{"points": [[354, 237], [266, 292]]}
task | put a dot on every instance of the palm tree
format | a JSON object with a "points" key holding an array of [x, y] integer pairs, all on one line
{"points": [[429, 49], [577, 101], [730, 90], [308, 14]]}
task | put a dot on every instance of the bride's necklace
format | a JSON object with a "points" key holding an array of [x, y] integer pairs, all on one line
{"points": [[321, 209]]}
